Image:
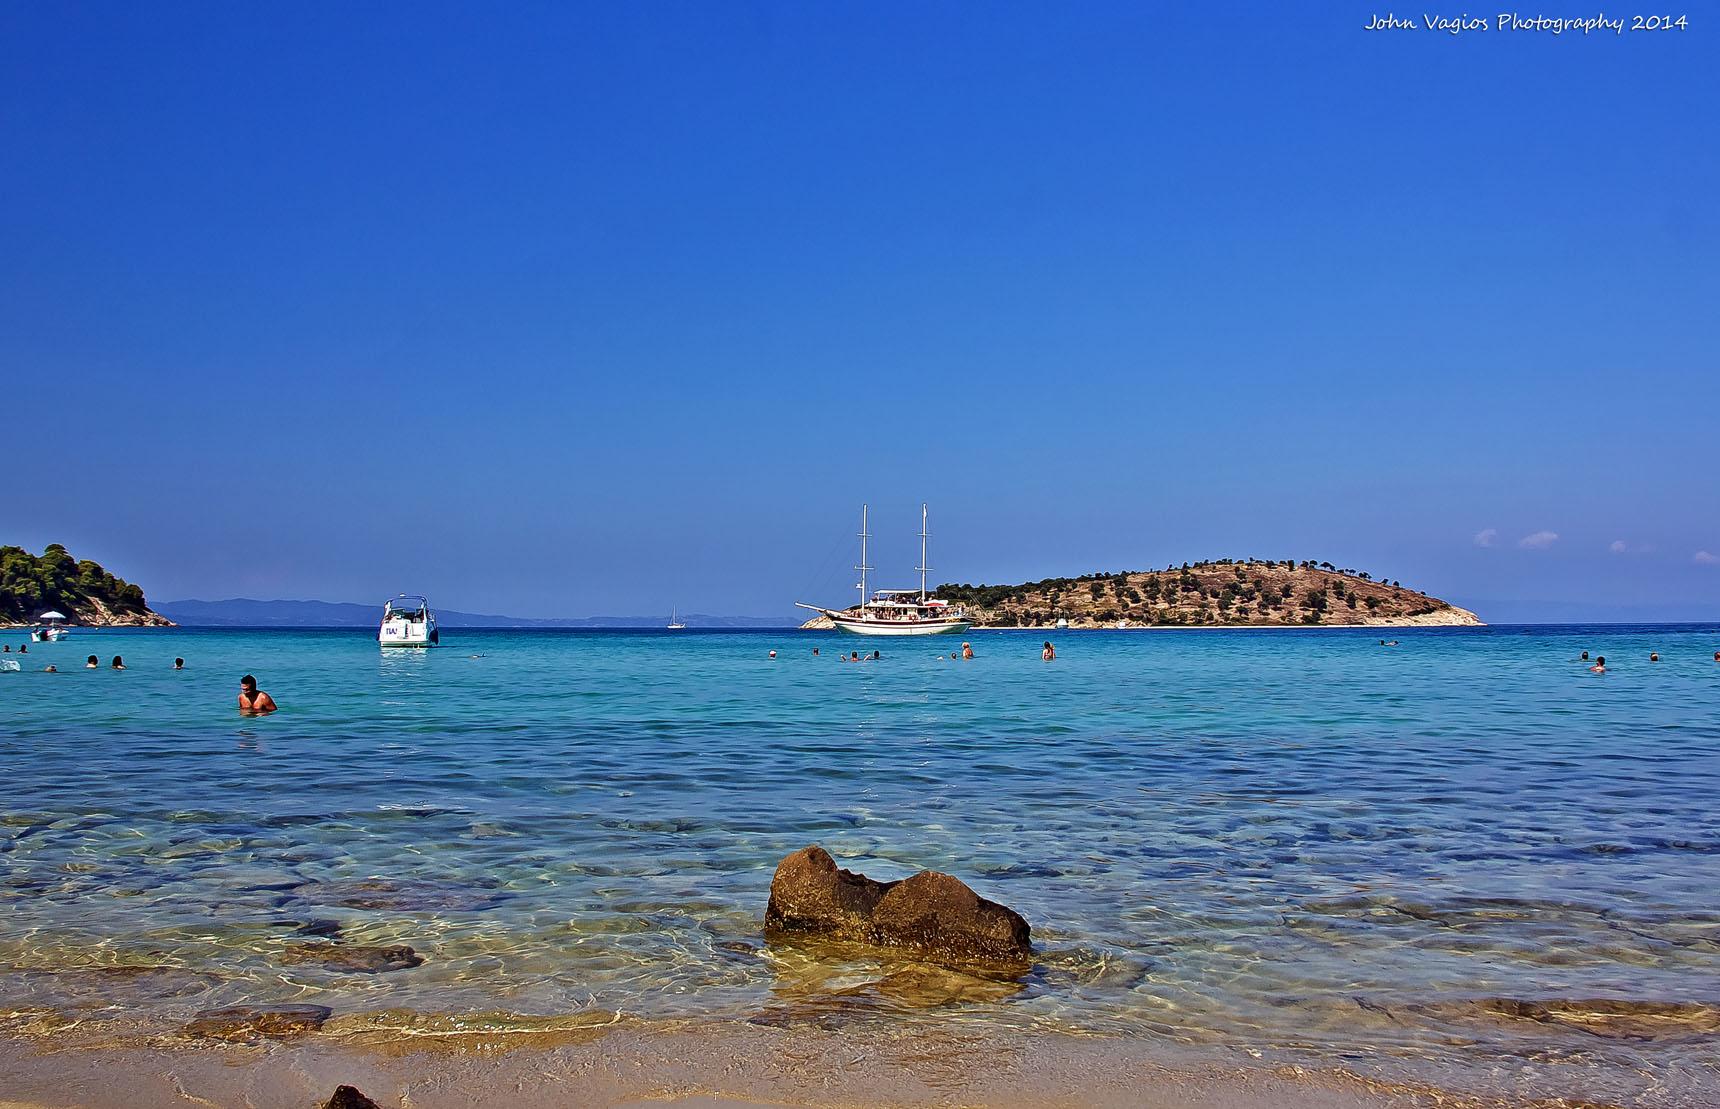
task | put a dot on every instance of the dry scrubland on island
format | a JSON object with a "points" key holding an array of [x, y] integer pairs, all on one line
{"points": [[1226, 593]]}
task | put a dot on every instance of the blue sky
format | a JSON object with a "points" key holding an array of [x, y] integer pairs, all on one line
{"points": [[582, 309]]}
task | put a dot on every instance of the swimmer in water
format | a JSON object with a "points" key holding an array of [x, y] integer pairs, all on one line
{"points": [[854, 656], [1586, 656], [118, 663], [1600, 666], [50, 669], [773, 654], [1048, 652], [92, 663], [179, 664], [815, 652], [967, 650], [253, 701], [876, 655], [1654, 656]]}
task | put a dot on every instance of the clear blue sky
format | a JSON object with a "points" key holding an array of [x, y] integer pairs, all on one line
{"points": [[580, 309]]}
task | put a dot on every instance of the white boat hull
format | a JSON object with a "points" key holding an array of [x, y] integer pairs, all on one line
{"points": [[404, 634], [899, 627]]}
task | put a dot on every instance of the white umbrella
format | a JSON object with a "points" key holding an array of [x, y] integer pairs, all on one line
{"points": [[52, 616]]}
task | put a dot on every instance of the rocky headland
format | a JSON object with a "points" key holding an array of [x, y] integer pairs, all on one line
{"points": [[1225, 593], [80, 589]]}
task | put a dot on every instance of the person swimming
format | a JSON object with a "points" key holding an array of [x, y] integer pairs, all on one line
{"points": [[854, 656], [253, 701], [773, 654], [1048, 652], [1654, 656], [1586, 656], [967, 650], [50, 669], [92, 663], [815, 652], [876, 655], [1600, 666], [117, 663], [179, 664]]}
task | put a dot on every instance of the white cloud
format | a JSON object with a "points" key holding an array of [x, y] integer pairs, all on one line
{"points": [[1539, 541], [1703, 558], [1617, 547], [1486, 536]]}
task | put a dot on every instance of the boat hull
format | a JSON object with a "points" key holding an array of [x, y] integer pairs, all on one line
{"points": [[396, 636], [904, 627]]}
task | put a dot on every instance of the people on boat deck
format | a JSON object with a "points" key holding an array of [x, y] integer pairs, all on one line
{"points": [[118, 663], [967, 650], [1048, 652], [92, 663], [1600, 666], [253, 701]]}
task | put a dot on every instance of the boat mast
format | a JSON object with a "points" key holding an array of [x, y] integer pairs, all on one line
{"points": [[923, 566], [863, 567]]}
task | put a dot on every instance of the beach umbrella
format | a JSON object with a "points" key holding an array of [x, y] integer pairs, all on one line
{"points": [[52, 616]]}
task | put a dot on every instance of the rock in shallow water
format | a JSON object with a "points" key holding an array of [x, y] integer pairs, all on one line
{"points": [[348, 1097], [249, 1023], [932, 914], [359, 960]]}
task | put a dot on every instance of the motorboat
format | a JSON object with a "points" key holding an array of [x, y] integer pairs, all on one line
{"points": [[895, 611], [408, 622], [50, 629]]}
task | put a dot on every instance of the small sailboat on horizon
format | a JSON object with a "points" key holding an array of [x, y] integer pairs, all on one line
{"points": [[675, 624]]}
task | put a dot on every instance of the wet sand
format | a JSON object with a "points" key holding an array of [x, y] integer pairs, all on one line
{"points": [[721, 1066]]}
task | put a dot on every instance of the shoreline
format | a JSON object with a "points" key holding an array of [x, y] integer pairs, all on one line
{"points": [[712, 1066]]}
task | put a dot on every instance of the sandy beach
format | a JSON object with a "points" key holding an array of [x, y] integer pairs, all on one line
{"points": [[706, 1066]]}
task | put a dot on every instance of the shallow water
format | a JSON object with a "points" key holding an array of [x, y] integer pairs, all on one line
{"points": [[1297, 844]]}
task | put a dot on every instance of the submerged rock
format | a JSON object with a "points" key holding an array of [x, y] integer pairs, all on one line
{"points": [[1604, 1017], [934, 915], [249, 1023], [361, 960], [348, 1097]]}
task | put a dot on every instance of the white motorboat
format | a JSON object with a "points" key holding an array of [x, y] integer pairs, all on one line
{"points": [[895, 611], [52, 628], [408, 622]]}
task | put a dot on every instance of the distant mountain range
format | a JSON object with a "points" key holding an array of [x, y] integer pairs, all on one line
{"points": [[248, 613]]}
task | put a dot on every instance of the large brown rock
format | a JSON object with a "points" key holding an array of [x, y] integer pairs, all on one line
{"points": [[940, 916], [932, 914], [349, 1097]]}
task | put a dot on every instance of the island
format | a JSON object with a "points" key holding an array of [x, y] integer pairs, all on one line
{"points": [[1223, 593], [81, 590]]}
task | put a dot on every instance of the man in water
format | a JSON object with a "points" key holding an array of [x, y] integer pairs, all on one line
{"points": [[967, 650], [1600, 666], [1048, 652], [92, 663], [253, 701], [179, 664]]}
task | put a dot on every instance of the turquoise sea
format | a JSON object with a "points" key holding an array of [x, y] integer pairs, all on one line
{"points": [[1462, 859]]}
